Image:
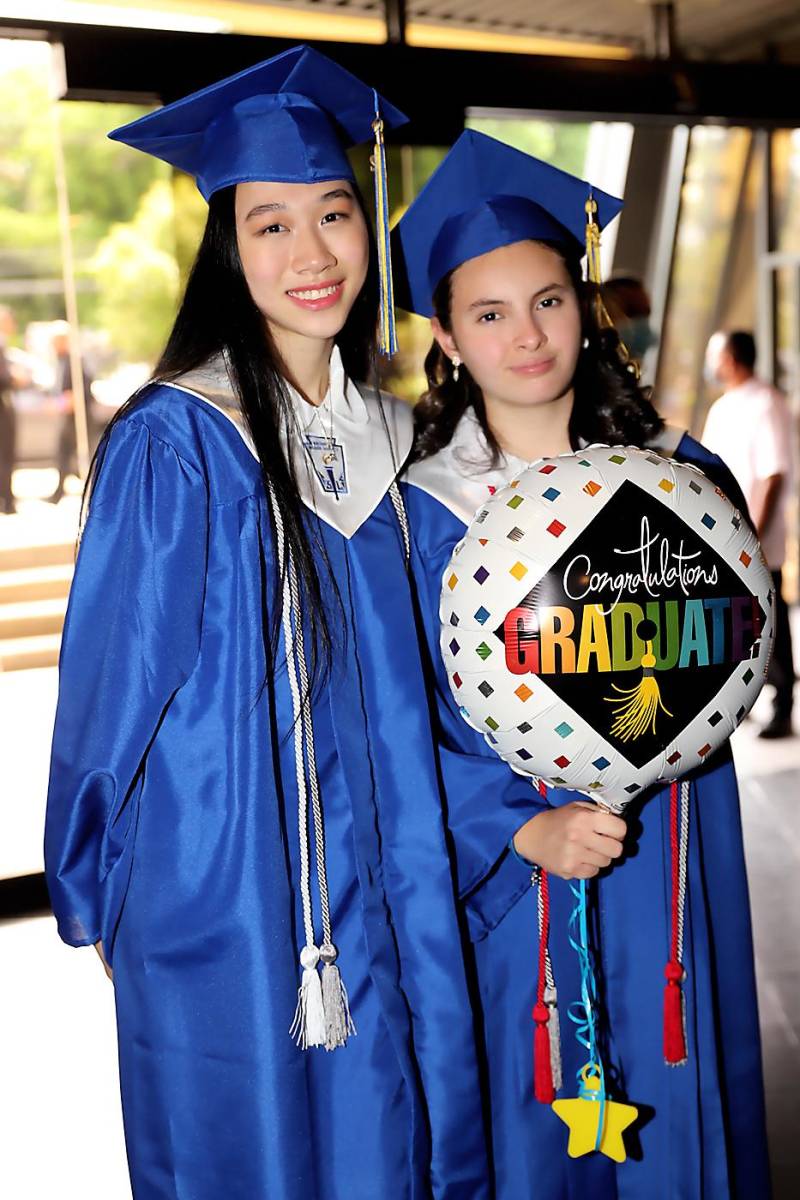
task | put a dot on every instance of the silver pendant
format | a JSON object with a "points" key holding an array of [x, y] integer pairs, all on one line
{"points": [[328, 460]]}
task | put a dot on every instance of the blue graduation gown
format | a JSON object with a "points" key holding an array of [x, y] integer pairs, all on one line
{"points": [[701, 1130], [172, 834]]}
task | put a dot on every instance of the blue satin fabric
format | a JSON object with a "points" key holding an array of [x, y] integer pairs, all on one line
{"points": [[172, 834], [701, 1132]]}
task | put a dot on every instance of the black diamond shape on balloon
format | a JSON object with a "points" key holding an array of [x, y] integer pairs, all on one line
{"points": [[713, 642]]}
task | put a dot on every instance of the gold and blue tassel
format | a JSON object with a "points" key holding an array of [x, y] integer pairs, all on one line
{"points": [[388, 332], [594, 274]]}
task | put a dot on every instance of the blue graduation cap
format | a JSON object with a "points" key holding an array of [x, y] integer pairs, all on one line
{"points": [[287, 120], [484, 195]]}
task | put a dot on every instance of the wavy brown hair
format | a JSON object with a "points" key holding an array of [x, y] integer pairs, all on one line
{"points": [[610, 404]]}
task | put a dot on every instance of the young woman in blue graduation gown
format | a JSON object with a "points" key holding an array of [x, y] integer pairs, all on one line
{"points": [[249, 485], [521, 369]]}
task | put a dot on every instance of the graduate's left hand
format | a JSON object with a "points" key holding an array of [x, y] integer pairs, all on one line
{"points": [[99, 948]]}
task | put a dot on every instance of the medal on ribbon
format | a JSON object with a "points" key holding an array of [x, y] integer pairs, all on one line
{"points": [[328, 460]]}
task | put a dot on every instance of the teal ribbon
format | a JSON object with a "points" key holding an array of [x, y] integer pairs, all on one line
{"points": [[581, 1012]]}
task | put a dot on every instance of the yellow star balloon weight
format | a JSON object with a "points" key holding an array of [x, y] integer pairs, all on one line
{"points": [[594, 1122]]}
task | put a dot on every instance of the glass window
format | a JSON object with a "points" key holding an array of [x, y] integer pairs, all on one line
{"points": [[786, 189], [710, 199]]}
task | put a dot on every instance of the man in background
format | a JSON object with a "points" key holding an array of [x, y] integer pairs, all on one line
{"points": [[750, 428]]}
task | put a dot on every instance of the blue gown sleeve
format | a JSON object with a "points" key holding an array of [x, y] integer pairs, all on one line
{"points": [[131, 639], [486, 802]]}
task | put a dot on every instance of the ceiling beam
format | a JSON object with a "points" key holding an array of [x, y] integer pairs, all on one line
{"points": [[435, 87]]}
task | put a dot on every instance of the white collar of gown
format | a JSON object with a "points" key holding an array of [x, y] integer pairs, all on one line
{"points": [[372, 432], [460, 475]]}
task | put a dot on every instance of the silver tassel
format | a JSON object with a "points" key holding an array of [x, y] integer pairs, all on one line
{"points": [[554, 1029], [338, 1023]]}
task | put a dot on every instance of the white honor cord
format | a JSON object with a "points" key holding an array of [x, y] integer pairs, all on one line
{"points": [[313, 778], [396, 497], [322, 1017], [683, 848]]}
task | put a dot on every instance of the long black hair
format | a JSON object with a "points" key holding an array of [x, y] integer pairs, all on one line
{"points": [[219, 316], [610, 406]]}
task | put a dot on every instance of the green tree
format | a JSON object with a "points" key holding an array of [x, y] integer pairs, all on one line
{"points": [[137, 277], [105, 182], [561, 143]]}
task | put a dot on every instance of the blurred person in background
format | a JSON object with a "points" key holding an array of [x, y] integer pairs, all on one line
{"points": [[8, 419], [750, 427], [67, 454], [628, 305]]}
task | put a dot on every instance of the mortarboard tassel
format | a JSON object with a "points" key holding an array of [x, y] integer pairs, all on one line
{"points": [[594, 271], [594, 274], [388, 332]]}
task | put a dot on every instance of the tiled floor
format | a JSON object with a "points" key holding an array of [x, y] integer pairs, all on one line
{"points": [[771, 808], [60, 1128]]}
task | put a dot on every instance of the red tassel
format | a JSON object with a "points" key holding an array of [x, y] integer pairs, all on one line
{"points": [[542, 1073], [675, 1054], [543, 1088]]}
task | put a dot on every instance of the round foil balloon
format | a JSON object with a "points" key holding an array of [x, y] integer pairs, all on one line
{"points": [[607, 621]]}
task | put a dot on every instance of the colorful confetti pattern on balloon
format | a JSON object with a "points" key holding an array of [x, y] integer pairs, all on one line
{"points": [[607, 621]]}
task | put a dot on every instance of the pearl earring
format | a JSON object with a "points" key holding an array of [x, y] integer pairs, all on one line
{"points": [[585, 343], [456, 366]]}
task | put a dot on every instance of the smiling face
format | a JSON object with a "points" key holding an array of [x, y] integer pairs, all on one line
{"points": [[304, 251], [515, 323]]}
